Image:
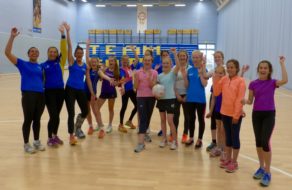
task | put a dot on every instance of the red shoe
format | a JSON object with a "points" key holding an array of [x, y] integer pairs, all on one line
{"points": [[184, 139], [90, 131], [170, 139], [231, 167], [101, 134], [224, 164]]}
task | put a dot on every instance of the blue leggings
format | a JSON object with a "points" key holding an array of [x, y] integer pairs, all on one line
{"points": [[145, 107], [232, 132]]}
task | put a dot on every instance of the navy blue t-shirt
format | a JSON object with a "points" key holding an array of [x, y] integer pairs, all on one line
{"points": [[94, 79], [31, 76], [53, 75], [76, 76]]}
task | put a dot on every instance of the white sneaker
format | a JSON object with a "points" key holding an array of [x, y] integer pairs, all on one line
{"points": [[38, 146], [163, 143], [173, 145], [29, 149], [109, 129]]}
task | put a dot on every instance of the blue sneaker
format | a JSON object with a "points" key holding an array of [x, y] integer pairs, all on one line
{"points": [[259, 173], [266, 179], [159, 133]]}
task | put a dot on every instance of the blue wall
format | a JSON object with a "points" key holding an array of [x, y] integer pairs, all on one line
{"points": [[252, 30], [199, 15]]}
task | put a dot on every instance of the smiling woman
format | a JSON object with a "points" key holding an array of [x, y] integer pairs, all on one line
{"points": [[33, 100]]}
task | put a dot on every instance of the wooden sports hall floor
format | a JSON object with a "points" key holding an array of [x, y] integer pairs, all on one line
{"points": [[110, 163]]}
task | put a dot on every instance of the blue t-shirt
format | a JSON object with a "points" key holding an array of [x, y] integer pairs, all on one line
{"points": [[137, 66], [31, 76], [195, 90], [53, 75], [76, 76], [94, 79], [128, 75], [159, 70]]}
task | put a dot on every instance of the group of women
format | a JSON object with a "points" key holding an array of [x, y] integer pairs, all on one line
{"points": [[43, 84]]}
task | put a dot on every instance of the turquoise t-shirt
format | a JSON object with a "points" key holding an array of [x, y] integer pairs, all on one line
{"points": [[168, 81]]}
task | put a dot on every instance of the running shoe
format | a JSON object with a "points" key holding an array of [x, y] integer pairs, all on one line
{"points": [[231, 167], [211, 146], [72, 140], [58, 140], [122, 129], [259, 173], [101, 134], [224, 164], [109, 129], [215, 152], [130, 124], [163, 143], [38, 146], [52, 143], [173, 145], [147, 138], [266, 180], [184, 138], [90, 131], [79, 134], [29, 149], [159, 133], [199, 144], [139, 148]]}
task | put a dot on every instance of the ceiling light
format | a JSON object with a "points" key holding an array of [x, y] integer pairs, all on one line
{"points": [[201, 0], [131, 5], [148, 5], [100, 5], [180, 5], [84, 1]]}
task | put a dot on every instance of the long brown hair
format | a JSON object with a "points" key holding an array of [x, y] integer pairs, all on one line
{"points": [[116, 69]]}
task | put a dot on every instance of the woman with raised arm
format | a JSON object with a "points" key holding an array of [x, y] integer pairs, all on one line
{"points": [[32, 88], [261, 95], [195, 98], [75, 90], [54, 87], [180, 93]]}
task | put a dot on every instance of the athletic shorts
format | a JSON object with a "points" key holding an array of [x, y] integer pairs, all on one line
{"points": [[166, 105], [108, 95]]}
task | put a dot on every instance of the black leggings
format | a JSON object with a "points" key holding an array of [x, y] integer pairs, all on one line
{"points": [[54, 102], [263, 126], [177, 114], [71, 95], [192, 108], [213, 119], [33, 105], [132, 95], [145, 110]]}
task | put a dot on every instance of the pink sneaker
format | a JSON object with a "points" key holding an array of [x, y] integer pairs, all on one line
{"points": [[224, 164], [232, 167]]}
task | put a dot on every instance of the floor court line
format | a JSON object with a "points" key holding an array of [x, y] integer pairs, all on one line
{"points": [[154, 131]]}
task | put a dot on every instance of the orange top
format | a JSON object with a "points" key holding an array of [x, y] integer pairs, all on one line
{"points": [[233, 91]]}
